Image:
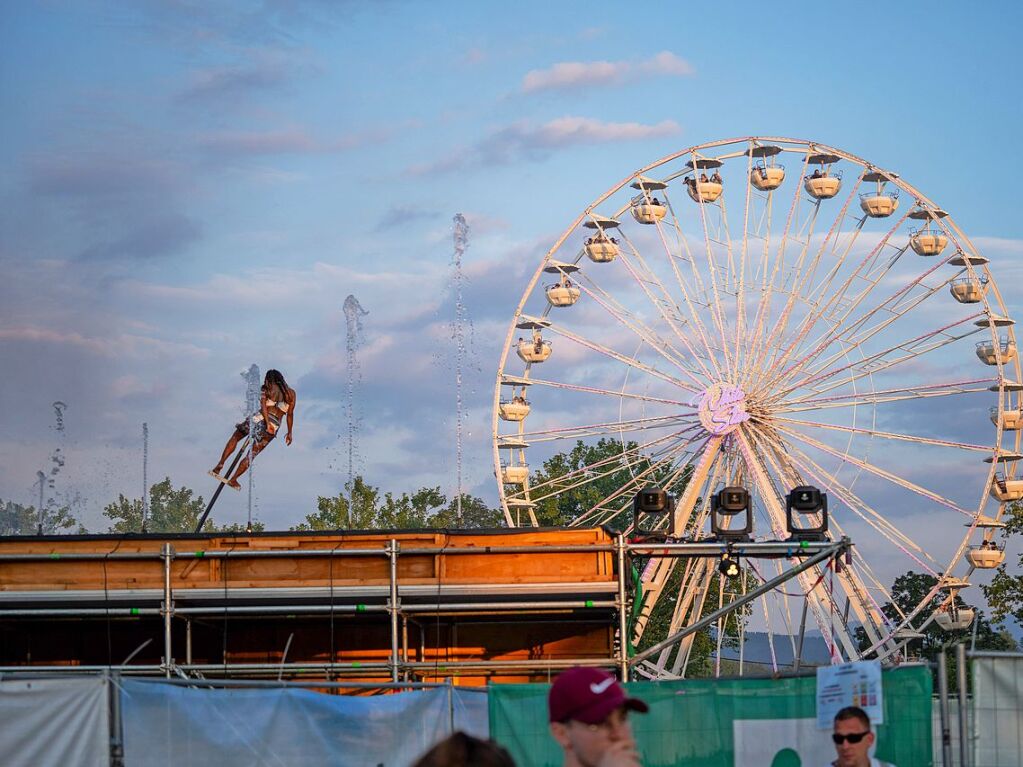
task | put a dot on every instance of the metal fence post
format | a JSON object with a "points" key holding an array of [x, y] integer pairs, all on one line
{"points": [[167, 609], [116, 728], [623, 625], [964, 730], [946, 733], [393, 607]]}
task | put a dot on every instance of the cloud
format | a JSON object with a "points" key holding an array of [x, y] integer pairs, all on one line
{"points": [[404, 215], [279, 142], [155, 238], [571, 75], [525, 142]]}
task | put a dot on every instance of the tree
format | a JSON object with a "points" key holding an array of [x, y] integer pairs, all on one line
{"points": [[425, 508], [475, 515], [16, 519], [576, 481], [170, 511], [410, 512], [1005, 592], [333, 513], [908, 591]]}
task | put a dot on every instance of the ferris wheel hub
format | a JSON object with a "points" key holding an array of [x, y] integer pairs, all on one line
{"points": [[722, 408]]}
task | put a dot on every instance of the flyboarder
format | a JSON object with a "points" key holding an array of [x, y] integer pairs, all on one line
{"points": [[276, 401]]}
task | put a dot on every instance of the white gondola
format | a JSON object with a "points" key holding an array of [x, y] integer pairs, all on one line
{"points": [[1006, 490], [533, 351], [601, 248], [992, 354], [1012, 420], [647, 208], [514, 409], [765, 174], [562, 294], [824, 182], [954, 619], [927, 241], [966, 290], [767, 177], [879, 203], [704, 188], [985, 557], [514, 475], [649, 212]]}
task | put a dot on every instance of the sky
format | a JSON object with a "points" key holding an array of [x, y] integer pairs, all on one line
{"points": [[190, 187]]}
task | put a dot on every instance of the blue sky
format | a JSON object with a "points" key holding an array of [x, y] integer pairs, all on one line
{"points": [[191, 187]]}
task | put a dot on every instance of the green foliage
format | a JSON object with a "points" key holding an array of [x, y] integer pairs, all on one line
{"points": [[701, 662], [16, 519], [475, 515], [589, 475], [170, 511], [908, 591], [371, 510], [1005, 592]]}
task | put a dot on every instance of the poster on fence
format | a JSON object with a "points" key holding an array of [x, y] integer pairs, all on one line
{"points": [[850, 684]]}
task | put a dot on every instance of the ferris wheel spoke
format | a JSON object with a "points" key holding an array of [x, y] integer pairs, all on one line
{"points": [[867, 612], [911, 349], [770, 281], [619, 357], [826, 301], [645, 333], [882, 396], [756, 463], [610, 465], [632, 486], [717, 289], [885, 435], [607, 427], [895, 306], [671, 312], [801, 274], [875, 470], [610, 393]]}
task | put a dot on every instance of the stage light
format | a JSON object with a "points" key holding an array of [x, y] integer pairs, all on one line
{"points": [[728, 567], [725, 506], [802, 503], [649, 507]]}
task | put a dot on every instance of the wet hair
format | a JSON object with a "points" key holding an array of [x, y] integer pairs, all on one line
{"points": [[462, 750], [274, 379], [853, 712]]}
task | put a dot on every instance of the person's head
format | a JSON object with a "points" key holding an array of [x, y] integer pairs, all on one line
{"points": [[588, 711], [461, 750], [852, 737], [274, 379]]}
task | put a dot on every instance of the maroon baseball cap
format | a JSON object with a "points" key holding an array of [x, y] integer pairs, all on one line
{"points": [[588, 695]]}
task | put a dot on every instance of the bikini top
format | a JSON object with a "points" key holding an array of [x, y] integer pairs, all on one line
{"points": [[282, 406]]}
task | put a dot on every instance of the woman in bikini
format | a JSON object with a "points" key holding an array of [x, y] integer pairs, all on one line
{"points": [[276, 401]]}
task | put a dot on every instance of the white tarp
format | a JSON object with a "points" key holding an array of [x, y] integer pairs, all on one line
{"points": [[998, 711], [173, 725], [54, 722]]}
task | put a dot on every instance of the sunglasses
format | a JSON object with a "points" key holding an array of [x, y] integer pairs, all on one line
{"points": [[853, 737]]}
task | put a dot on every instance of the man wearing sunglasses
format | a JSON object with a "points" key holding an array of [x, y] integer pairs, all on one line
{"points": [[852, 738], [588, 712]]}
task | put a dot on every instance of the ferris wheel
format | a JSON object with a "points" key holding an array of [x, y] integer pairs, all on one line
{"points": [[772, 313]]}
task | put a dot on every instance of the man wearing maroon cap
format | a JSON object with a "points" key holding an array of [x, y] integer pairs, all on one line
{"points": [[589, 719]]}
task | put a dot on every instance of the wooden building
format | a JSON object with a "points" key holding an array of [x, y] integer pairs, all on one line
{"points": [[426, 605]]}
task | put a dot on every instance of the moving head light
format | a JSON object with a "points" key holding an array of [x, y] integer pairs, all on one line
{"points": [[802, 503], [649, 507], [725, 506]]}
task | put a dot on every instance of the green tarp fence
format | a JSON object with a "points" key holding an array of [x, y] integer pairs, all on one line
{"points": [[721, 723]]}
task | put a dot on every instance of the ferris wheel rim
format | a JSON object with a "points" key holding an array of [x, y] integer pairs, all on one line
{"points": [[921, 204]]}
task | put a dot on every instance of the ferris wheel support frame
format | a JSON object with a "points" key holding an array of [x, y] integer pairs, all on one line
{"points": [[819, 553]]}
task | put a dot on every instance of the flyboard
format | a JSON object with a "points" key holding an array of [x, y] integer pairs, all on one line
{"points": [[221, 483]]}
